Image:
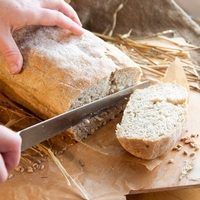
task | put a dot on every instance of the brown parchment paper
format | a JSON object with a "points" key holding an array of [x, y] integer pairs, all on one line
{"points": [[105, 170], [108, 175]]}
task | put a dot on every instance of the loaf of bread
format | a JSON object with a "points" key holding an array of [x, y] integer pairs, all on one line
{"points": [[62, 71], [153, 120]]}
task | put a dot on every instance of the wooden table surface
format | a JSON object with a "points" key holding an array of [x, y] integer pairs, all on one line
{"points": [[185, 194]]}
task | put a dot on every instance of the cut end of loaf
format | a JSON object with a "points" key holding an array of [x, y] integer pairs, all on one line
{"points": [[153, 115], [118, 80]]}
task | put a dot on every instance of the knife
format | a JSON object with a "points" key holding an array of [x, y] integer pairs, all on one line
{"points": [[44, 130]]}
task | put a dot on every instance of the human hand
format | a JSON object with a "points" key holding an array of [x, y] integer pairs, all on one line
{"points": [[15, 14], [10, 151]]}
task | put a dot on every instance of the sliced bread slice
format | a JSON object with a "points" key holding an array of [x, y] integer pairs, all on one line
{"points": [[153, 120]]}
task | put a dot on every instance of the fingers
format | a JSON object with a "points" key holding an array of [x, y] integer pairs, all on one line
{"points": [[67, 10], [56, 18], [10, 52], [11, 159], [10, 141], [10, 147], [63, 7], [3, 170]]}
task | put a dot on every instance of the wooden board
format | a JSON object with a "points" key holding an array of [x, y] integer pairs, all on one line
{"points": [[186, 194], [110, 173]]}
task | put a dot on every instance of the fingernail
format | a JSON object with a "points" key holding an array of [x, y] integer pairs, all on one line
{"points": [[14, 69]]}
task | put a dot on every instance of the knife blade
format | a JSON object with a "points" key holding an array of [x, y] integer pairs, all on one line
{"points": [[44, 130]]}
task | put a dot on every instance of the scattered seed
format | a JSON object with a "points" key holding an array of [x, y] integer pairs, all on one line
{"points": [[87, 121], [171, 161], [185, 153], [192, 154], [99, 118], [22, 170], [193, 136], [193, 145], [179, 146], [187, 141], [30, 169], [42, 167], [10, 176], [35, 166], [196, 148], [183, 139], [19, 169]]}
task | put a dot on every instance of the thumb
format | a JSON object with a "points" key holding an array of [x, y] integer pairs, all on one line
{"points": [[10, 52]]}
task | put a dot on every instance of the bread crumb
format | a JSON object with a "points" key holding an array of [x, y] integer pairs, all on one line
{"points": [[193, 136]]}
